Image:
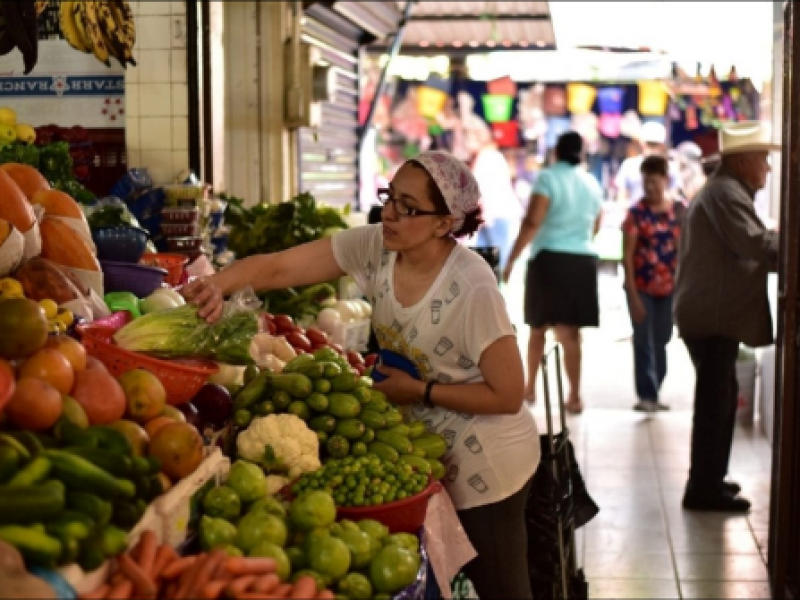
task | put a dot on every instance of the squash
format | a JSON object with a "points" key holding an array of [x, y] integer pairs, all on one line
{"points": [[27, 178], [42, 279], [62, 245], [58, 204], [11, 247], [14, 206]]}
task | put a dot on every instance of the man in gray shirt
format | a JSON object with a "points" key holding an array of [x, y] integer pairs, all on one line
{"points": [[721, 301]]}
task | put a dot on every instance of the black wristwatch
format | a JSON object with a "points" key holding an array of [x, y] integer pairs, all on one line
{"points": [[427, 398]]}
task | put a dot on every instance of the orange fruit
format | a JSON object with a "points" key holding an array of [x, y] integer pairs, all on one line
{"points": [[24, 327], [51, 366], [95, 364], [173, 413], [137, 437], [100, 395], [36, 405], [145, 393], [7, 382], [179, 447], [71, 348], [151, 427]]}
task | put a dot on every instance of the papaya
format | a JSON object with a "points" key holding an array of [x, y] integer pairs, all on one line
{"points": [[15, 207], [57, 204], [28, 179], [42, 279], [61, 244]]}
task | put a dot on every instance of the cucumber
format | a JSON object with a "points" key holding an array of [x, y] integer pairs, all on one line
{"points": [[299, 409], [28, 440], [331, 369], [379, 401], [116, 464], [344, 406], [322, 436], [324, 423], [437, 468], [140, 465], [384, 451], [252, 391], [70, 548], [399, 442], [417, 451], [9, 463], [298, 362], [30, 504], [322, 386], [369, 435], [70, 524], [36, 548], [363, 395], [298, 385], [365, 382], [125, 515], [359, 449], [114, 541], [416, 429], [34, 472], [318, 402], [351, 429], [338, 446], [401, 429], [346, 382], [393, 418], [373, 419], [92, 555], [312, 370], [91, 505], [110, 439], [80, 474], [250, 373], [420, 464], [72, 435], [325, 354], [9, 442], [432, 444]]}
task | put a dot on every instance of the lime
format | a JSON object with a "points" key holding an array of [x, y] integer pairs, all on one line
{"points": [[222, 502], [374, 529], [297, 558], [355, 586], [393, 569], [270, 550], [313, 510], [258, 527], [330, 557], [360, 546]]}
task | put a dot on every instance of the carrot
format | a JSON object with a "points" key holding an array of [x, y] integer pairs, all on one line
{"points": [[121, 591], [250, 566], [214, 589], [240, 585], [266, 583], [148, 544], [283, 590], [96, 594], [304, 587], [164, 557], [259, 596], [326, 595], [204, 576], [189, 576], [144, 584], [177, 567], [169, 591]]}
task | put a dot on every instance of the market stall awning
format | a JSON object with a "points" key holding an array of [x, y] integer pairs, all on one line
{"points": [[477, 26]]}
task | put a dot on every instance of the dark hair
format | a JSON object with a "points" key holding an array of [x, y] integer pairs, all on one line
{"points": [[472, 221], [569, 148], [655, 165]]}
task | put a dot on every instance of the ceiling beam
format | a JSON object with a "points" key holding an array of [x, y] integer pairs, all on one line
{"points": [[474, 17], [454, 51]]}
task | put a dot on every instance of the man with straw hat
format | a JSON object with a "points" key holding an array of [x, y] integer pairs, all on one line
{"points": [[721, 301]]}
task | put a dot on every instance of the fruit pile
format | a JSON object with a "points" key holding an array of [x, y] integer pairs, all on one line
{"points": [[104, 28], [11, 130], [348, 415], [358, 560]]}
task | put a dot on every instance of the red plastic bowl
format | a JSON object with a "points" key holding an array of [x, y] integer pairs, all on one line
{"points": [[402, 516]]}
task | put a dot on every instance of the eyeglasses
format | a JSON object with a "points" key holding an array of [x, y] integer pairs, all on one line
{"points": [[403, 209]]}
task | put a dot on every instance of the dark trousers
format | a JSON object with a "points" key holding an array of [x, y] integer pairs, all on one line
{"points": [[650, 339], [498, 534], [715, 399]]}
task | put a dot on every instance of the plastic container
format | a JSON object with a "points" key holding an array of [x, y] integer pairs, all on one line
{"points": [[580, 97], [130, 277], [117, 320], [180, 229], [402, 516], [506, 134], [184, 244], [609, 100], [173, 263], [179, 508], [182, 379], [178, 193], [653, 98], [430, 101], [504, 86], [497, 109], [180, 215], [120, 244]]}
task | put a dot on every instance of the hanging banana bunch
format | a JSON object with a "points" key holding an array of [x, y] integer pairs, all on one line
{"points": [[18, 30], [105, 29]]}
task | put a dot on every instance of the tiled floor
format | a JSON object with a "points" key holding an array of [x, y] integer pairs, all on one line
{"points": [[642, 544]]}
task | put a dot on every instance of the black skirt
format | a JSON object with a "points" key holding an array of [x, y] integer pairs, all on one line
{"points": [[561, 289]]}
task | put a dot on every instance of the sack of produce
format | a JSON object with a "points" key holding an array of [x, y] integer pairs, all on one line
{"points": [[176, 333]]}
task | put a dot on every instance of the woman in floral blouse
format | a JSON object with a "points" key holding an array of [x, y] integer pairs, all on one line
{"points": [[650, 248]]}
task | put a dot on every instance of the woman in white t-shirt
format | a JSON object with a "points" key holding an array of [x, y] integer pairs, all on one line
{"points": [[437, 303]]}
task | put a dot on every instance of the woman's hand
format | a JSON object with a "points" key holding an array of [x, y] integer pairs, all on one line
{"points": [[207, 296], [400, 388], [507, 272], [638, 311]]}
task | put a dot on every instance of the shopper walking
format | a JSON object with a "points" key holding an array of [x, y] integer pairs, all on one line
{"points": [[721, 301], [650, 256], [628, 181], [437, 303], [561, 284]]}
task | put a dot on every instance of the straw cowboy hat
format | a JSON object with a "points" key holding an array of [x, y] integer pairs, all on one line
{"points": [[747, 136]]}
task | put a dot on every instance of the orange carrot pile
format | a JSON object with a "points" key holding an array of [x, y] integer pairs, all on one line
{"points": [[153, 571]]}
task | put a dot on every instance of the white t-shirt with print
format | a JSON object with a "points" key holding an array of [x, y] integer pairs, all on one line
{"points": [[490, 457]]}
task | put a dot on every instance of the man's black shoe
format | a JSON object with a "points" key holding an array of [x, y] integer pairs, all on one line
{"points": [[715, 502], [731, 487]]}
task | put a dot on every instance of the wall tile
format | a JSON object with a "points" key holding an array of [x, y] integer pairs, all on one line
{"points": [[132, 99], [134, 157], [155, 100], [132, 133], [178, 8], [159, 165], [153, 33], [180, 100], [155, 66], [155, 8], [132, 73], [179, 66], [178, 32], [134, 7], [180, 162], [156, 133], [180, 133]]}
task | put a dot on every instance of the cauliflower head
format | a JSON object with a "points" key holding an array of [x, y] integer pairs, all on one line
{"points": [[280, 443]]}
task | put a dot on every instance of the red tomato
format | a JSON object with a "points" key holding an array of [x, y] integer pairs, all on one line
{"points": [[299, 341], [336, 347], [7, 383], [360, 369], [316, 336], [298, 351], [370, 360], [269, 316], [271, 328], [354, 358], [284, 323]]}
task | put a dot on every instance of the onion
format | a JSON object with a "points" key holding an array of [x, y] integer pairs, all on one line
{"points": [[345, 309], [328, 319], [366, 308]]}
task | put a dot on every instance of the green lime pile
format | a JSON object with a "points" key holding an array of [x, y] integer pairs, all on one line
{"points": [[364, 481]]}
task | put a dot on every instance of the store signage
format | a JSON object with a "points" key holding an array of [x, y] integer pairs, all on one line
{"points": [[61, 85]]}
